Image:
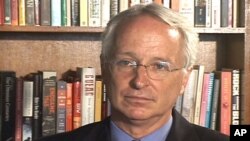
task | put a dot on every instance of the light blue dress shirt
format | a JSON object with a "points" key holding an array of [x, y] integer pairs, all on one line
{"points": [[161, 134]]}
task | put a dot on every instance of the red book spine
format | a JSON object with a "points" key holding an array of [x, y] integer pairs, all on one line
{"points": [[76, 104], [14, 12], [226, 94], [69, 108], [19, 111], [1, 12]]}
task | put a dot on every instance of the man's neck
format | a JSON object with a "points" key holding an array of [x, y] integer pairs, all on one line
{"points": [[140, 128]]}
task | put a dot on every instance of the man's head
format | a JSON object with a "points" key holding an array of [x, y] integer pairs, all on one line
{"points": [[147, 53]]}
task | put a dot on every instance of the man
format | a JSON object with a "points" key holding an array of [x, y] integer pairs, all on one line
{"points": [[147, 56]]}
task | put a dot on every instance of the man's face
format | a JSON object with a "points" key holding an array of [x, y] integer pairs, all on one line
{"points": [[136, 96]]}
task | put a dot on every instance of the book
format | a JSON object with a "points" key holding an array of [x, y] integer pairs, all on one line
{"points": [[84, 19], [77, 104], [201, 69], [56, 13], [94, 13], [14, 12], [7, 105], [236, 97], [21, 13], [29, 12], [49, 103], [75, 13], [186, 8], [68, 13], [28, 89], [7, 12], [105, 17], [1, 12], [64, 13], [209, 99], [87, 76], [200, 13], [37, 12], [61, 106], [216, 13], [45, 12], [225, 103], [69, 106], [215, 102], [189, 96], [98, 99], [208, 13], [19, 109], [114, 8]]}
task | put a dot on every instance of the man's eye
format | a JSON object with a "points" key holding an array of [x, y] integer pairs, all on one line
{"points": [[161, 66], [125, 63]]}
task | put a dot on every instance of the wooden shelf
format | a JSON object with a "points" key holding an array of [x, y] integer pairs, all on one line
{"points": [[226, 30], [48, 29], [79, 29]]}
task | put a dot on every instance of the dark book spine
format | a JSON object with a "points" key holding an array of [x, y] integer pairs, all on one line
{"points": [[75, 13], [45, 12], [8, 90], [37, 119], [200, 13], [27, 128], [19, 110], [7, 12], [61, 106], [49, 107], [29, 12]]}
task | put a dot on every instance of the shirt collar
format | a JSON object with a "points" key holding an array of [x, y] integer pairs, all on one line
{"points": [[161, 134]]}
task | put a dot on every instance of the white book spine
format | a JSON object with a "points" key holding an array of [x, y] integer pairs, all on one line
{"points": [[87, 95], [28, 98], [94, 11]]}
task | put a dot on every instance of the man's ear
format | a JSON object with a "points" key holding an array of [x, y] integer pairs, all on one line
{"points": [[185, 79]]}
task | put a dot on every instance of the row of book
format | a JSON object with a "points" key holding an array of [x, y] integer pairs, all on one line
{"points": [[96, 13], [212, 99], [40, 105]]}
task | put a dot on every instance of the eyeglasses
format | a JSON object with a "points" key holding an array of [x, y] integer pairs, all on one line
{"points": [[157, 70]]}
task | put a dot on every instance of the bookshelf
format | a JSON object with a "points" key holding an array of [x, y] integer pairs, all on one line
{"points": [[28, 49]]}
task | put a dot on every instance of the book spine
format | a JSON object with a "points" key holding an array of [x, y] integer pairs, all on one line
{"points": [[113, 8], [7, 12], [56, 13], [45, 12], [94, 12], [186, 8], [226, 94], [37, 107], [30, 12], [75, 13], [216, 13], [84, 13], [214, 109], [8, 90], [61, 106], [14, 12], [87, 76], [200, 13], [69, 108], [208, 13], [236, 97], [98, 99], [209, 100], [105, 12], [1, 12], [49, 103], [27, 109], [37, 12], [68, 13], [19, 110], [76, 104], [63, 12], [21, 14]]}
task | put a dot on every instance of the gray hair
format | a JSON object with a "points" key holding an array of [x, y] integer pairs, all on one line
{"points": [[166, 15]]}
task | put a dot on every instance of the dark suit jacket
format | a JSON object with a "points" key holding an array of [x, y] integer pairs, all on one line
{"points": [[181, 130]]}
